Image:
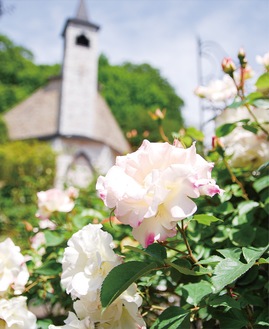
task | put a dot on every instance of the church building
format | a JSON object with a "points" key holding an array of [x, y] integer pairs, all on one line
{"points": [[70, 113]]}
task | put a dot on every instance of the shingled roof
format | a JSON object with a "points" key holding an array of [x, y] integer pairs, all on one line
{"points": [[37, 118]]}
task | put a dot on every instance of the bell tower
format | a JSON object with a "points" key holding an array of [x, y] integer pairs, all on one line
{"points": [[79, 76]]}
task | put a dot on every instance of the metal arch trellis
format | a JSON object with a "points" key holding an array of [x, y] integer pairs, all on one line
{"points": [[213, 53]]}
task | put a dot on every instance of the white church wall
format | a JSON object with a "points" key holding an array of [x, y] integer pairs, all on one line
{"points": [[79, 87], [79, 159]]}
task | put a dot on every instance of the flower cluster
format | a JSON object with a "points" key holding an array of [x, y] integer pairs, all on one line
{"points": [[244, 148], [87, 260], [152, 188], [13, 278]]}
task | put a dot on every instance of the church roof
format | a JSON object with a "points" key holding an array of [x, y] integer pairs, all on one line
{"points": [[37, 117]]}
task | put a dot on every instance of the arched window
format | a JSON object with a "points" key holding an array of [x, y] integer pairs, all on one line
{"points": [[80, 171], [81, 40]]}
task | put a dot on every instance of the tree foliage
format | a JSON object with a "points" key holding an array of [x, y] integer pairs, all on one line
{"points": [[19, 75], [132, 91]]}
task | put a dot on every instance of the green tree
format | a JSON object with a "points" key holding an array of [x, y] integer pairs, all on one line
{"points": [[19, 75], [132, 91]]}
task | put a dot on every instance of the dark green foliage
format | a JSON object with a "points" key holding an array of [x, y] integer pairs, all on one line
{"points": [[19, 76], [132, 91]]}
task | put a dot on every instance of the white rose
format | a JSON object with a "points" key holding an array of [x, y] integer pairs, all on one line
{"points": [[72, 322], [122, 313], [218, 90], [15, 315], [87, 260], [245, 148], [13, 270]]}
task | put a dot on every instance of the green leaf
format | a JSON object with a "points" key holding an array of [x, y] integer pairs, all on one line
{"points": [[250, 128], [225, 208], [263, 261], [185, 270], [195, 292], [261, 103], [225, 129], [121, 277], [173, 318], [53, 238], [263, 318], [255, 95], [195, 133], [226, 272], [232, 253], [251, 254], [156, 251], [137, 250], [44, 323], [213, 260], [261, 183], [230, 269], [234, 317], [226, 301], [243, 235], [263, 81], [205, 219], [236, 104], [246, 206], [49, 268]]}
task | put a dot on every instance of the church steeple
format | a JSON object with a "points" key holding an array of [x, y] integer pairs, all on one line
{"points": [[82, 11], [79, 75]]}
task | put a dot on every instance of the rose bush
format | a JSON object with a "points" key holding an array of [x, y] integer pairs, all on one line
{"points": [[201, 260]]}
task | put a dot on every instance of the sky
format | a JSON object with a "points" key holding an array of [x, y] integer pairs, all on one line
{"points": [[162, 33]]}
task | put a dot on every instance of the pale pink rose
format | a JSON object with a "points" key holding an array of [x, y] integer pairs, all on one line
{"points": [[15, 315], [13, 270], [152, 188], [53, 200]]}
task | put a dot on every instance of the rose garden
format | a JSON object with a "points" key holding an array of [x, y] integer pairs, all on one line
{"points": [[175, 235]]}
